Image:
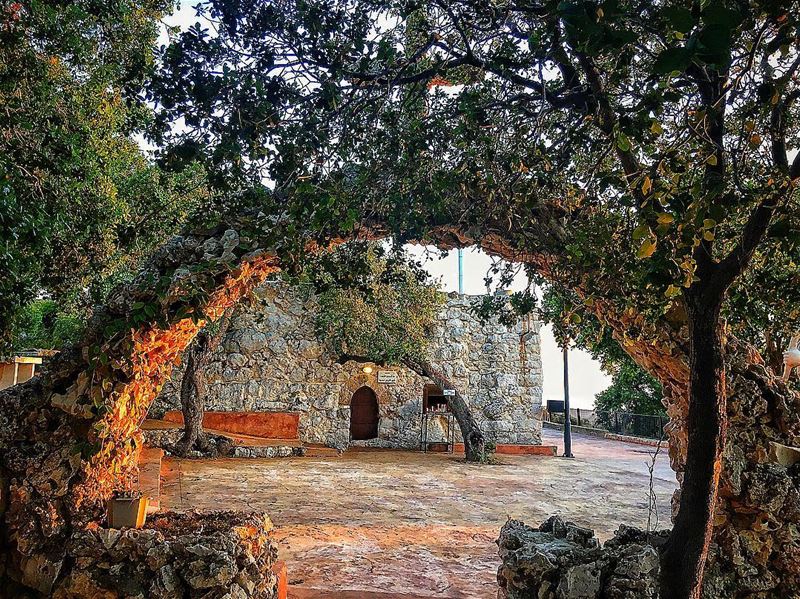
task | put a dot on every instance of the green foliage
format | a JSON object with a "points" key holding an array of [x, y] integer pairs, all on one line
{"points": [[632, 389], [80, 204], [41, 325], [623, 144], [764, 305], [372, 305]]}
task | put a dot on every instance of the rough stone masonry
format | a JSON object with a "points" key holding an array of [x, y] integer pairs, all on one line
{"points": [[271, 360]]}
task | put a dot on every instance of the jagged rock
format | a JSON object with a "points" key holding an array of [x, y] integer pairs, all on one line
{"points": [[177, 556], [635, 575], [167, 584], [562, 561], [580, 582]]}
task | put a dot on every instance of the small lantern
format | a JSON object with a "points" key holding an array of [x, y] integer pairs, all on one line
{"points": [[127, 508], [367, 369]]}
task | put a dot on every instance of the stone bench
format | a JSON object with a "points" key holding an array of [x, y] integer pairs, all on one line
{"points": [[267, 425]]}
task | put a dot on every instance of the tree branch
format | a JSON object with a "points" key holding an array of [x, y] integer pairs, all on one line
{"points": [[755, 229], [608, 121]]}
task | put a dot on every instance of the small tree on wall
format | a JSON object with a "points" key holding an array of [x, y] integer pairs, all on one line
{"points": [[374, 305], [381, 307]]}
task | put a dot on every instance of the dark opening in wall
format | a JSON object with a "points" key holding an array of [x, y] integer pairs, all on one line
{"points": [[433, 399], [364, 415]]}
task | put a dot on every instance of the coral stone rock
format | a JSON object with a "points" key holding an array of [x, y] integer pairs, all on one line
{"points": [[562, 561]]}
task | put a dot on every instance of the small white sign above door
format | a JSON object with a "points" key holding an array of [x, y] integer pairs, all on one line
{"points": [[449, 392], [387, 377]]}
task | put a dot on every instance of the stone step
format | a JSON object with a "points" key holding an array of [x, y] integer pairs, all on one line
{"points": [[516, 449], [150, 477], [268, 451]]}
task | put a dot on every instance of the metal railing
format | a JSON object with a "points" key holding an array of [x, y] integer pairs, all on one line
{"points": [[621, 423], [633, 425]]}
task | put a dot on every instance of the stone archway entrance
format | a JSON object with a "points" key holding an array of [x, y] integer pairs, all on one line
{"points": [[363, 415]]}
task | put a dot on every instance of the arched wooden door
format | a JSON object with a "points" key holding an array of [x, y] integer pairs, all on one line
{"points": [[363, 415]]}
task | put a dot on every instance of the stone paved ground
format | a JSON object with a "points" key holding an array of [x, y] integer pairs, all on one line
{"points": [[401, 524]]}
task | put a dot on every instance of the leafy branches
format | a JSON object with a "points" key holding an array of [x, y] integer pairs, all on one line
{"points": [[632, 389], [373, 306], [79, 202]]}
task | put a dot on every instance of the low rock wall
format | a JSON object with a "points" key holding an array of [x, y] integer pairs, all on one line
{"points": [[223, 555], [562, 561]]}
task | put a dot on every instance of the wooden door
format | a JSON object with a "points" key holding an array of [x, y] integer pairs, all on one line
{"points": [[364, 415]]}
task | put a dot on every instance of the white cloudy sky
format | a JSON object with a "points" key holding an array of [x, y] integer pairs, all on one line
{"points": [[586, 378]]}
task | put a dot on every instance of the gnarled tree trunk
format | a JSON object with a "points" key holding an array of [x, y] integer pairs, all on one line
{"points": [[474, 442], [754, 549], [193, 385]]}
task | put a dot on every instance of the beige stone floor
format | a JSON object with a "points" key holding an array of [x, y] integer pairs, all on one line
{"points": [[404, 524]]}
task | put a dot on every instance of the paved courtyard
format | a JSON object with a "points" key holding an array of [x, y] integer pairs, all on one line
{"points": [[409, 525]]}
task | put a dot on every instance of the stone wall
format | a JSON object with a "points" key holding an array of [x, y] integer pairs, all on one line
{"points": [[272, 361], [175, 556]]}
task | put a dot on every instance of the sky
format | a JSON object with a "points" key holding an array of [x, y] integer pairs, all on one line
{"points": [[586, 377]]}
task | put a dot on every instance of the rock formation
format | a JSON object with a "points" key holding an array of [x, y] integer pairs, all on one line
{"points": [[560, 560], [175, 556]]}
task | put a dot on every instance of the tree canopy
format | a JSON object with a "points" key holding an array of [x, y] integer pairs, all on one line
{"points": [[639, 154], [80, 203], [42, 325], [373, 306], [646, 145]]}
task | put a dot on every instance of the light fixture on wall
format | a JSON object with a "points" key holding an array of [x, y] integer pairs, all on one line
{"points": [[367, 369]]}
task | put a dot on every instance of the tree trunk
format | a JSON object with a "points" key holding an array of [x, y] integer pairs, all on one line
{"points": [[474, 442], [194, 388], [684, 558], [191, 402]]}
